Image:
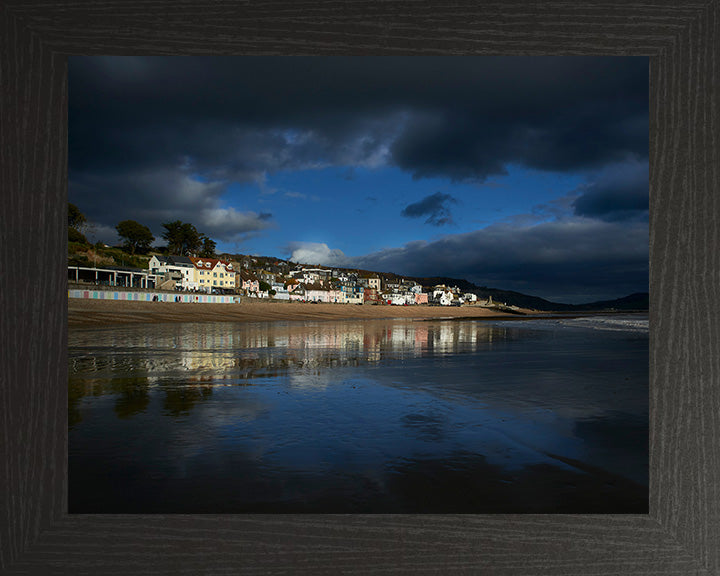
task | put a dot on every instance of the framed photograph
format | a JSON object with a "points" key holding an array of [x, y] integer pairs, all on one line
{"points": [[358, 284], [149, 463]]}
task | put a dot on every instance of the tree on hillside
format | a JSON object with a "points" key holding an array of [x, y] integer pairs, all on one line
{"points": [[137, 238], [76, 236], [76, 222], [182, 238], [208, 247], [76, 219]]}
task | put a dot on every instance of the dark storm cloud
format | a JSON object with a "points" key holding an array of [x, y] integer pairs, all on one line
{"points": [[570, 261], [165, 136], [434, 206], [621, 194], [234, 116], [460, 117], [162, 195], [565, 261]]}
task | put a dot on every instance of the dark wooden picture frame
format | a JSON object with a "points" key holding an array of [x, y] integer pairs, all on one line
{"points": [[681, 533]]}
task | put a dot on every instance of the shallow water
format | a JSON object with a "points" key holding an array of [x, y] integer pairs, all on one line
{"points": [[361, 416]]}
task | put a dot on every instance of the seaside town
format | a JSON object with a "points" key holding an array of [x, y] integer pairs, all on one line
{"points": [[194, 277], [198, 274]]}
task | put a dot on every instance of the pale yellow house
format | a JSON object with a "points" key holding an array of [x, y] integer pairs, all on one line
{"points": [[212, 273]]}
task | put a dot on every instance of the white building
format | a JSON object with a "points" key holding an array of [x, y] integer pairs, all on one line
{"points": [[311, 275], [281, 292], [177, 272], [443, 296], [402, 298]]}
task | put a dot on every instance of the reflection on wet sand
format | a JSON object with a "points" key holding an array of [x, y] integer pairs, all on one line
{"points": [[218, 353], [381, 416], [250, 351]]}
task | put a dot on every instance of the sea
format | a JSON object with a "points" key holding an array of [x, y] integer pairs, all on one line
{"points": [[526, 415]]}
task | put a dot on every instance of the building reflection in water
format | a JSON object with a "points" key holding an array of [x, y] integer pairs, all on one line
{"points": [[187, 360], [224, 351]]}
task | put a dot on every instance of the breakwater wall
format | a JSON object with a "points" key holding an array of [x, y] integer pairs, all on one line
{"points": [[152, 296]]}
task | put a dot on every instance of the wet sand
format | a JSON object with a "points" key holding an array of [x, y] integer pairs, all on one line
{"points": [[87, 313], [353, 416], [356, 416]]}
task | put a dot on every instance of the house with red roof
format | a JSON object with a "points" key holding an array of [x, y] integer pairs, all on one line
{"points": [[214, 274]]}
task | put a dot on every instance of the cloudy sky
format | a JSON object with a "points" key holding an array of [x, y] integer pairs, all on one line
{"points": [[521, 173]]}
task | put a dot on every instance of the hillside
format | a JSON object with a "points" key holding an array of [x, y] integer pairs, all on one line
{"points": [[84, 254], [639, 301], [634, 302]]}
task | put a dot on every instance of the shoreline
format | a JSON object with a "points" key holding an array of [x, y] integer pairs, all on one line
{"points": [[84, 313]]}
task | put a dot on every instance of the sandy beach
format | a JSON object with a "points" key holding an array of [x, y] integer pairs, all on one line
{"points": [[87, 313]]}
